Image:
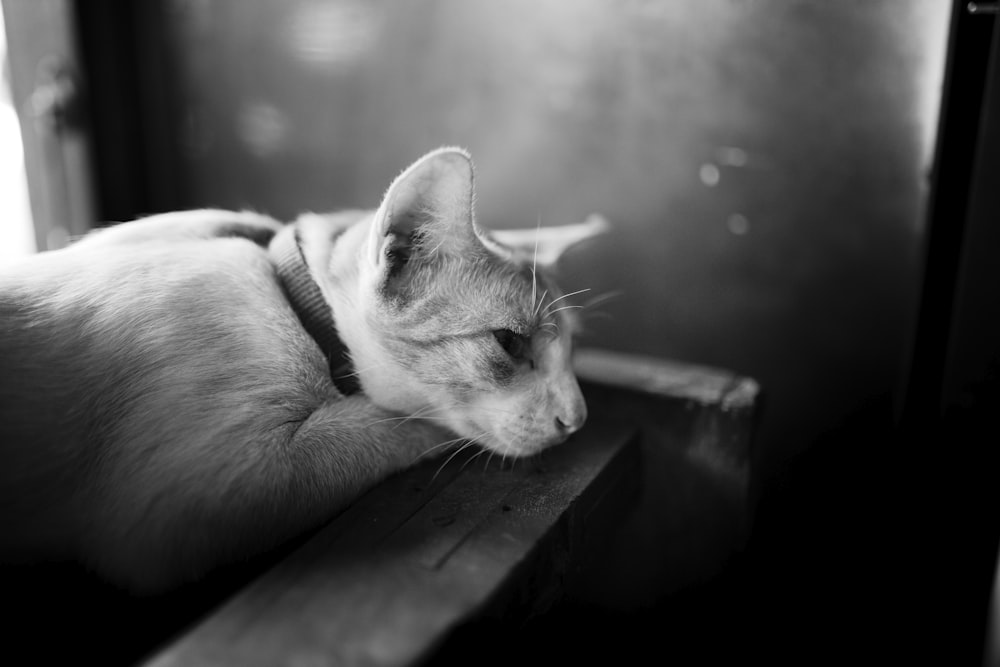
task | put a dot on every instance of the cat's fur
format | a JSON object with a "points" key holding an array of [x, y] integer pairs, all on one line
{"points": [[162, 410]]}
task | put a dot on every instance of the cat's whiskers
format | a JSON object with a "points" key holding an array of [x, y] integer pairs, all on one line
{"points": [[503, 455], [446, 443], [470, 443], [602, 297], [471, 458], [489, 458], [403, 419], [421, 413], [569, 307], [538, 305], [548, 312], [589, 314], [548, 309], [431, 413], [427, 454]]}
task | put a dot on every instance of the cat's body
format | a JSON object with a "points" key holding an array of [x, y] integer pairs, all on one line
{"points": [[163, 410]]}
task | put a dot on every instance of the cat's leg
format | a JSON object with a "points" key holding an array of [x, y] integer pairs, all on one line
{"points": [[371, 440], [188, 225], [297, 476]]}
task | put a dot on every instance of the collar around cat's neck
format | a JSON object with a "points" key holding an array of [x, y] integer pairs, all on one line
{"points": [[311, 307]]}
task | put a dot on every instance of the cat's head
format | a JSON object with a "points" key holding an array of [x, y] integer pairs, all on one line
{"points": [[470, 325]]}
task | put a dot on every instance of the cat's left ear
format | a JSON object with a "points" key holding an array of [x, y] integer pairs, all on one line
{"points": [[427, 209], [545, 245]]}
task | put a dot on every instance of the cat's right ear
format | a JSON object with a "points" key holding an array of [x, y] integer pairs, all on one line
{"points": [[427, 209], [543, 246]]}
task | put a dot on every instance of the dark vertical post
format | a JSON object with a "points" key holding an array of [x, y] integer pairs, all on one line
{"points": [[131, 105], [947, 466], [958, 136]]}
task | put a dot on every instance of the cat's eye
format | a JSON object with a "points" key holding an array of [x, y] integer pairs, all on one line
{"points": [[512, 343]]}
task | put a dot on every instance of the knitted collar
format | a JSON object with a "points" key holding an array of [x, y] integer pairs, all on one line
{"points": [[312, 309]]}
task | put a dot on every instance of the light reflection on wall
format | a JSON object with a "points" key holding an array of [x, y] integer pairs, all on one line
{"points": [[332, 36], [263, 128], [930, 72], [17, 237]]}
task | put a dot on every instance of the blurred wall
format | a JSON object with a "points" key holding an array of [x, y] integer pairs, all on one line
{"points": [[763, 162]]}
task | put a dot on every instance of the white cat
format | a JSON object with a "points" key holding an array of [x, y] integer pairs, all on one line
{"points": [[166, 405]]}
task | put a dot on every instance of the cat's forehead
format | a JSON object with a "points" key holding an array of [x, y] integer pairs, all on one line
{"points": [[498, 292]]}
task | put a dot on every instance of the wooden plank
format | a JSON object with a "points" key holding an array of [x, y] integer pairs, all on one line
{"points": [[666, 378], [395, 574], [723, 405], [696, 505]]}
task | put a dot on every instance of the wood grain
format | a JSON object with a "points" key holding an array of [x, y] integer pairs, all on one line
{"points": [[421, 554]]}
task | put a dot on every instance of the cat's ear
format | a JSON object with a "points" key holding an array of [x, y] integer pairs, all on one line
{"points": [[545, 245], [427, 209]]}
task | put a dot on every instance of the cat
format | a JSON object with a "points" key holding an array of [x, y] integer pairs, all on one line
{"points": [[164, 409]]}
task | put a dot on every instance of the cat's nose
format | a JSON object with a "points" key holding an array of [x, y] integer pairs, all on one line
{"points": [[568, 406], [571, 422], [563, 427]]}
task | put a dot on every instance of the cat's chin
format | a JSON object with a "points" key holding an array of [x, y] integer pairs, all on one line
{"points": [[518, 447]]}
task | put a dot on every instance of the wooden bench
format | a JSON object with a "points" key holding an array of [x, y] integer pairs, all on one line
{"points": [[386, 581], [395, 578]]}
